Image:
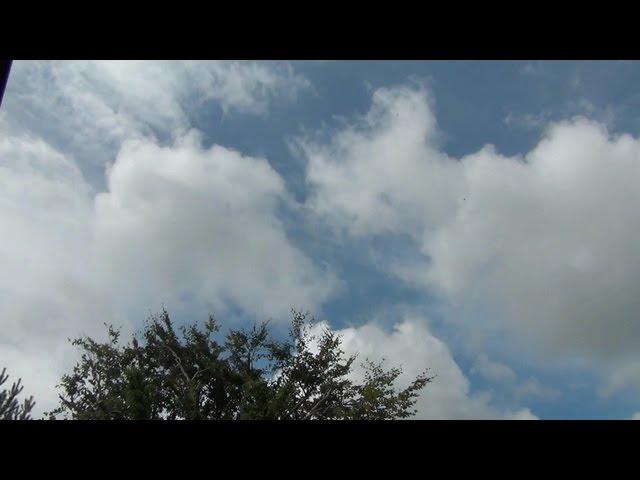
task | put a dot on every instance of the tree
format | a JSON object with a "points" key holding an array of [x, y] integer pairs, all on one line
{"points": [[243, 375], [10, 408]]}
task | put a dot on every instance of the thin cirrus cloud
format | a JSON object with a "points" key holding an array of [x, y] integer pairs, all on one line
{"points": [[543, 240]]}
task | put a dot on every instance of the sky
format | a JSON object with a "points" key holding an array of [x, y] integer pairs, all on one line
{"points": [[471, 217]]}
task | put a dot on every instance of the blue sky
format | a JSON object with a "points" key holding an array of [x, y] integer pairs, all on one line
{"points": [[472, 217]]}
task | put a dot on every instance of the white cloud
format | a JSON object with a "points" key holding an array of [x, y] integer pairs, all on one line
{"points": [[371, 177], [44, 210], [184, 221], [504, 377], [579, 106], [548, 238], [414, 348], [47, 291], [178, 224], [494, 371], [534, 388], [88, 108], [545, 239]]}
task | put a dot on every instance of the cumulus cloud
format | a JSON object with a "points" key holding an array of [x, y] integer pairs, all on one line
{"points": [[44, 210], [184, 221], [413, 347], [88, 108], [175, 223], [370, 177], [544, 241], [179, 225], [47, 290]]}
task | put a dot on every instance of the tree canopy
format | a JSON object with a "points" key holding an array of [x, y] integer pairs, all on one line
{"points": [[195, 373], [10, 407]]}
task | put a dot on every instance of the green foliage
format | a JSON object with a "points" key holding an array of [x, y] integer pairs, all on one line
{"points": [[10, 408], [245, 375]]}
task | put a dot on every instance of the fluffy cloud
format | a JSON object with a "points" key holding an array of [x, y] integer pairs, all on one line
{"points": [[47, 291], [45, 206], [175, 223], [180, 225], [371, 177], [183, 221], [88, 108], [544, 242], [413, 347]]}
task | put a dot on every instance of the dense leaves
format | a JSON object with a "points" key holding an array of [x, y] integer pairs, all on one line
{"points": [[246, 374], [10, 407]]}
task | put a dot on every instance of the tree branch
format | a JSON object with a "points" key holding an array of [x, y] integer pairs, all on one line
{"points": [[315, 407]]}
